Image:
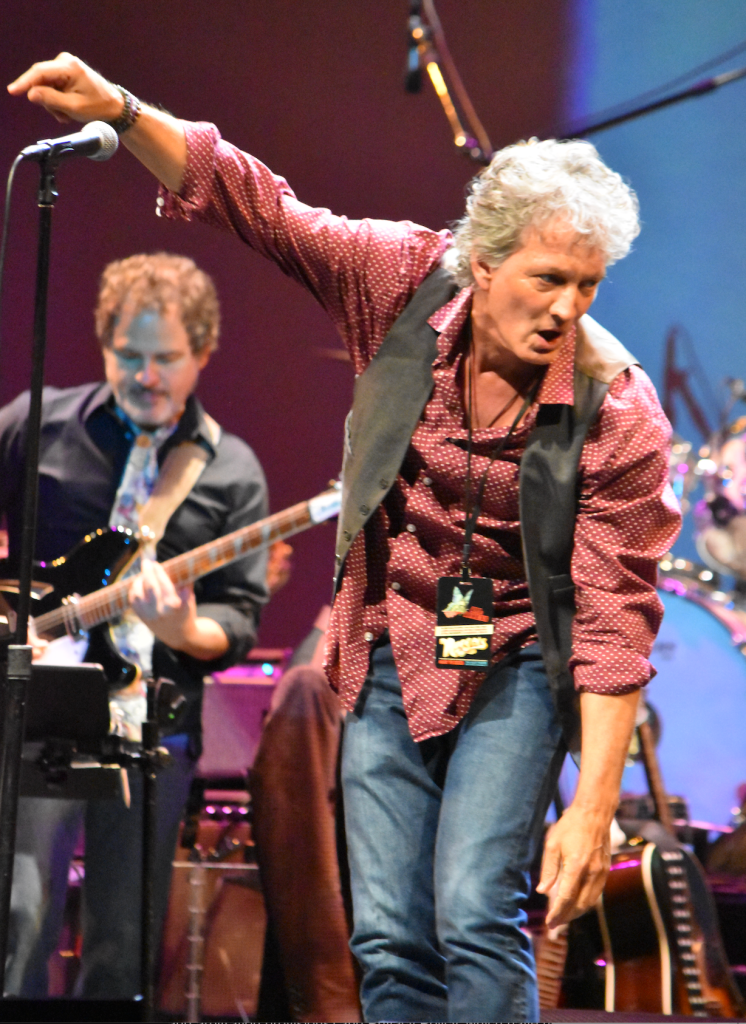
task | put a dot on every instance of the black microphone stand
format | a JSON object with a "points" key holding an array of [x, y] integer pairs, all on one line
{"points": [[17, 670], [150, 762], [698, 89]]}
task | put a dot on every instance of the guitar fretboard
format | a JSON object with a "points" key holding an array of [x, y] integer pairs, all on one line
{"points": [[683, 930], [677, 882], [111, 602]]}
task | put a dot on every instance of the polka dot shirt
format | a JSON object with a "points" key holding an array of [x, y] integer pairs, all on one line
{"points": [[363, 273]]}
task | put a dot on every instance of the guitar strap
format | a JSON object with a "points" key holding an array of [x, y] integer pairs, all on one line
{"points": [[180, 471]]}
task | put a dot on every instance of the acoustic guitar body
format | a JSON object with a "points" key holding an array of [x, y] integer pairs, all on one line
{"points": [[634, 972], [653, 940], [660, 938]]}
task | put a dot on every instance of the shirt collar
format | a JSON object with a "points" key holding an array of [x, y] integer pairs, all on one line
{"points": [[558, 386], [191, 427]]}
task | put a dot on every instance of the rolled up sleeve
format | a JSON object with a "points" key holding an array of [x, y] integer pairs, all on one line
{"points": [[628, 519]]}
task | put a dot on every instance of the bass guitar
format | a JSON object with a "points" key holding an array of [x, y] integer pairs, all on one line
{"points": [[79, 594]]}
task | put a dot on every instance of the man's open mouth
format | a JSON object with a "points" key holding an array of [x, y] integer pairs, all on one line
{"points": [[549, 335]]}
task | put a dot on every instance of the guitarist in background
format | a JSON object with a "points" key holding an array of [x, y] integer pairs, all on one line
{"points": [[157, 320]]}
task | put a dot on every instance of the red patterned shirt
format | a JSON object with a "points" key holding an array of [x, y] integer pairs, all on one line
{"points": [[363, 273]]}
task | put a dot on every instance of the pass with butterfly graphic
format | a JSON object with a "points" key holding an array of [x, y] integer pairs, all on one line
{"points": [[462, 635]]}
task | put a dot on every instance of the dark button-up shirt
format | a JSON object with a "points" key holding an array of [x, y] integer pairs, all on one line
{"points": [[84, 449]]}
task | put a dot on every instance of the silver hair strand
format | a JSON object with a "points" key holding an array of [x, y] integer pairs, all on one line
{"points": [[530, 184]]}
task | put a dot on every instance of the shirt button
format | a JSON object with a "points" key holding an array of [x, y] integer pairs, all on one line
{"points": [[411, 527], [364, 510], [368, 637], [383, 483], [396, 586], [427, 481], [347, 535]]}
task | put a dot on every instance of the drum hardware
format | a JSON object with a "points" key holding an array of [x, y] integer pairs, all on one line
{"points": [[691, 574], [641, 807], [720, 534], [727, 856], [682, 470], [647, 713], [216, 879]]}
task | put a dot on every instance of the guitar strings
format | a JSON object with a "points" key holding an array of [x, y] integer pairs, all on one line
{"points": [[93, 609]]}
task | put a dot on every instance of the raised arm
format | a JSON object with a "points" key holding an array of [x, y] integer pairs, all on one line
{"points": [[337, 259], [71, 91]]}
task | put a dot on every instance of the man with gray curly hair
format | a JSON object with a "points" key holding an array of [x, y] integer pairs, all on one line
{"points": [[531, 184], [506, 501]]}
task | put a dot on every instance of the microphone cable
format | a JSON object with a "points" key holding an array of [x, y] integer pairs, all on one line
{"points": [[4, 241]]}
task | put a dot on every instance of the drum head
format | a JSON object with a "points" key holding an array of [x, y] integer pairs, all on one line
{"points": [[700, 695]]}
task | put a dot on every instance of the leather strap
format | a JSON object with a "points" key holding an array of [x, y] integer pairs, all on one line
{"points": [[181, 470]]}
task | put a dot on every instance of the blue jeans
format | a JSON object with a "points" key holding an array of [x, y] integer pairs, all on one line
{"points": [[47, 834], [440, 837]]}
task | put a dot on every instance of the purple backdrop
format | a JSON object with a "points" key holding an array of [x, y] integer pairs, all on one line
{"points": [[316, 91]]}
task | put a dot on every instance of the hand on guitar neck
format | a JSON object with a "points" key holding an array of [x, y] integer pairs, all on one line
{"points": [[75, 609], [171, 614]]}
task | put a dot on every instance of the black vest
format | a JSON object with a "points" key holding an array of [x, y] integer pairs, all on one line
{"points": [[390, 397]]}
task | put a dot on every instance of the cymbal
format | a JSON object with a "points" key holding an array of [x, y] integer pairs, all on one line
{"points": [[723, 548]]}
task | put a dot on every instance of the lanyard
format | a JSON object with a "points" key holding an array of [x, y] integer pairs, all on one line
{"points": [[473, 515]]}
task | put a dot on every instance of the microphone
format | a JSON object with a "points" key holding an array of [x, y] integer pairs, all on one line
{"points": [[415, 36], [96, 140]]}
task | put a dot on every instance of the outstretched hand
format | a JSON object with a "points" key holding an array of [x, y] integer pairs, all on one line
{"points": [[69, 90], [577, 851]]}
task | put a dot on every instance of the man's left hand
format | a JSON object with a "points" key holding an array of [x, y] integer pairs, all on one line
{"points": [[577, 852], [577, 855]]}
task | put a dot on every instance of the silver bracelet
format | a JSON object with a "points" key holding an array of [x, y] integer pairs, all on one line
{"points": [[129, 114]]}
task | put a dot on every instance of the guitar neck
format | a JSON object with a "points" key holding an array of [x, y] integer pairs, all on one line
{"points": [[653, 775], [112, 601]]}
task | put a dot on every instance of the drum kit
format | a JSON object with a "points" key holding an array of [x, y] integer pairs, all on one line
{"points": [[699, 690], [662, 937]]}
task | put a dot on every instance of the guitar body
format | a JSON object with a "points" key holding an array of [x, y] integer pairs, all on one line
{"points": [[637, 970], [94, 563], [656, 938], [652, 943]]}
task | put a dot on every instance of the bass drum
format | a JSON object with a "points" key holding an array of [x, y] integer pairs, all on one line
{"points": [[699, 693]]}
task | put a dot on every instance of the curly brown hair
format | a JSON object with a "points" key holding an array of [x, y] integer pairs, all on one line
{"points": [[155, 282]]}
